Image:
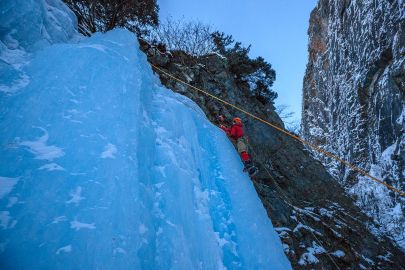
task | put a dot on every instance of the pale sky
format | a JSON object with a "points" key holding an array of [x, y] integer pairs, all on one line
{"points": [[277, 30]]}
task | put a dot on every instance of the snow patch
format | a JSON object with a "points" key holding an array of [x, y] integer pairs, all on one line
{"points": [[338, 254], [21, 82], [326, 213], [109, 151], [280, 229], [202, 198], [65, 249], [309, 256], [302, 226], [41, 150], [401, 118], [59, 219], [76, 196], [51, 167], [77, 225]]}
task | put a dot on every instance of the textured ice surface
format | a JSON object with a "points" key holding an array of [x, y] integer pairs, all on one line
{"points": [[33, 24], [103, 168], [25, 27]]}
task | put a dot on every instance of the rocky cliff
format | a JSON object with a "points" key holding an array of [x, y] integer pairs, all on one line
{"points": [[320, 227], [354, 101]]}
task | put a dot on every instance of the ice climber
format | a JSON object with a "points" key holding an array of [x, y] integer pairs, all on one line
{"points": [[236, 133]]}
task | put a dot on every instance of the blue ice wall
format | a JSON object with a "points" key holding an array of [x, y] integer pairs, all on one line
{"points": [[103, 168], [33, 24]]}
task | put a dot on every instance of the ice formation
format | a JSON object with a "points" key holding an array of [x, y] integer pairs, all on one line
{"points": [[103, 168]]}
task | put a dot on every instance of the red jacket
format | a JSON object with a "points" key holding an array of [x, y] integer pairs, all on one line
{"points": [[235, 132]]}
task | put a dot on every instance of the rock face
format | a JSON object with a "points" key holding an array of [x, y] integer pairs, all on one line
{"points": [[354, 101], [320, 226]]}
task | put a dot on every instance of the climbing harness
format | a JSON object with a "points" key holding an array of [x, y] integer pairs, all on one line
{"points": [[313, 146]]}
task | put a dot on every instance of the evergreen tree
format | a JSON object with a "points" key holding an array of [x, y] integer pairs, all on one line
{"points": [[257, 73], [221, 41]]}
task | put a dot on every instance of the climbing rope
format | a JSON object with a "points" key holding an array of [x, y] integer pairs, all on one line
{"points": [[289, 202], [313, 146]]}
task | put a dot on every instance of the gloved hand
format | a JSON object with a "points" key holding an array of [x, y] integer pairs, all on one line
{"points": [[224, 128]]}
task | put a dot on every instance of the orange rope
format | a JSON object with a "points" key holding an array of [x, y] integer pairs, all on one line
{"points": [[315, 147]]}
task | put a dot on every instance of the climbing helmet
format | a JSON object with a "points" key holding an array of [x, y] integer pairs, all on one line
{"points": [[237, 120]]}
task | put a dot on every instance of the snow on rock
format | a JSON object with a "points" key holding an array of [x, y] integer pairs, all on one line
{"points": [[338, 253], [354, 102], [168, 194], [309, 256]]}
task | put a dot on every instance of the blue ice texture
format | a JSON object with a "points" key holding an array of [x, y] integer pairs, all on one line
{"points": [[101, 167]]}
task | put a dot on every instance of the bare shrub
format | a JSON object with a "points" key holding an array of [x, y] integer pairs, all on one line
{"points": [[192, 37]]}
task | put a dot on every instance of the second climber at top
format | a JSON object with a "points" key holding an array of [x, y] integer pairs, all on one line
{"points": [[237, 135]]}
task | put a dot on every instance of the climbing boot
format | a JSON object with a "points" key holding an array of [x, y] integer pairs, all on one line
{"points": [[250, 168], [253, 171], [248, 164]]}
